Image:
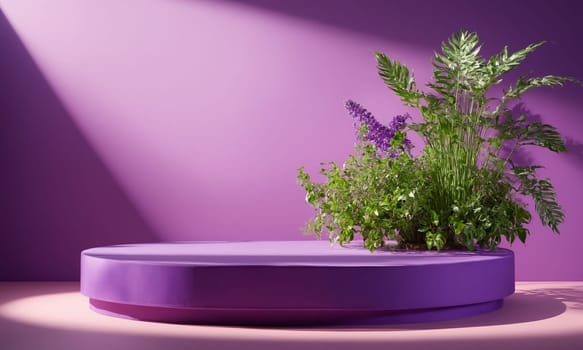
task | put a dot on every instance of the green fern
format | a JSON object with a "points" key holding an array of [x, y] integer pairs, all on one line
{"points": [[463, 189]]}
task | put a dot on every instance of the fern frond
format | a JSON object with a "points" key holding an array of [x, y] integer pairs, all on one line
{"points": [[504, 63], [459, 64], [543, 194], [543, 135], [398, 79], [526, 84]]}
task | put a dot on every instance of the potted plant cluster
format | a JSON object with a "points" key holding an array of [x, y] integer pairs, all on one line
{"points": [[463, 190]]}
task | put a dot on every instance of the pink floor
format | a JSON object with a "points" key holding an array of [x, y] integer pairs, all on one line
{"points": [[53, 315]]}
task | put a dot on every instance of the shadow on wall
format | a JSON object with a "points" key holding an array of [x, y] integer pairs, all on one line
{"points": [[404, 20], [58, 198], [409, 20], [427, 23], [575, 151]]}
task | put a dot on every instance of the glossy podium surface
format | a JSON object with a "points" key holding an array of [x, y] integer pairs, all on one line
{"points": [[286, 283]]}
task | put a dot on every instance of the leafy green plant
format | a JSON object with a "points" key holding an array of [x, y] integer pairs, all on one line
{"points": [[464, 190]]}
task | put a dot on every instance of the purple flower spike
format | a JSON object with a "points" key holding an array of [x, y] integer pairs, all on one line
{"points": [[399, 122], [378, 133]]}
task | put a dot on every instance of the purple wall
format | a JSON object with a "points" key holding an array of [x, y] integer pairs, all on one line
{"points": [[151, 120]]}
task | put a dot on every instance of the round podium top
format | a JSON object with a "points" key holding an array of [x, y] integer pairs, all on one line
{"points": [[282, 253]]}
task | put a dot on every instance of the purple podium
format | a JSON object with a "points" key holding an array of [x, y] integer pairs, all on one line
{"points": [[291, 283]]}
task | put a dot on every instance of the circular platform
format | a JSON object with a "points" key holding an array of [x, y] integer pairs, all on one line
{"points": [[299, 282]]}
